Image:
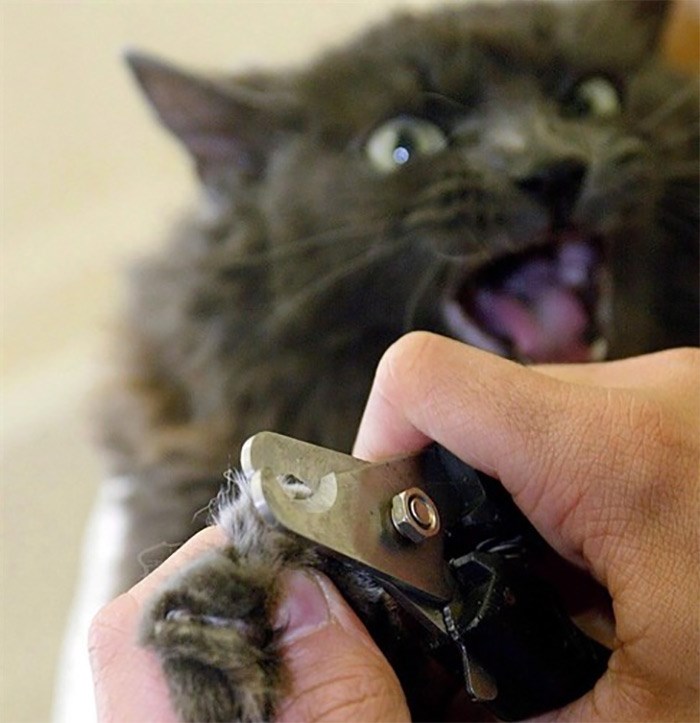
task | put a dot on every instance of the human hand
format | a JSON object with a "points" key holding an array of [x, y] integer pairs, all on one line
{"points": [[604, 460], [581, 448], [335, 669]]}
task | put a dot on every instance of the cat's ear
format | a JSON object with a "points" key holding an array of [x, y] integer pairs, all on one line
{"points": [[625, 32], [223, 124], [649, 18]]}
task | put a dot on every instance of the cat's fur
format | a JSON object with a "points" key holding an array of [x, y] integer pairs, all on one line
{"points": [[271, 308]]}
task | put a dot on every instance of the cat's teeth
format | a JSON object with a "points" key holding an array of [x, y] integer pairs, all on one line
{"points": [[599, 349], [466, 330], [575, 263], [573, 277]]}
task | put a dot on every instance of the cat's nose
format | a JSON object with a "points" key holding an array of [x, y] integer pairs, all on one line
{"points": [[557, 186]]}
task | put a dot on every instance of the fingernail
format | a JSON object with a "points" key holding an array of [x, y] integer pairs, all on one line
{"points": [[304, 606]]}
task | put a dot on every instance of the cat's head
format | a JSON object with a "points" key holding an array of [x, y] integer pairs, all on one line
{"points": [[492, 172]]}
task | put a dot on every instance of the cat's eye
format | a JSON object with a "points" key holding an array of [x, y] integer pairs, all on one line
{"points": [[400, 140], [594, 97]]}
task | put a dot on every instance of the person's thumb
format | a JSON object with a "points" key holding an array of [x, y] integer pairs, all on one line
{"points": [[547, 440], [336, 672]]}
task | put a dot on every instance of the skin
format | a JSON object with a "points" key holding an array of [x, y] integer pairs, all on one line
{"points": [[604, 460]]}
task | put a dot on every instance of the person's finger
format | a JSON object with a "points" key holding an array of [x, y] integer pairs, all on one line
{"points": [[128, 679], [336, 670], [544, 438], [127, 676], [623, 373], [640, 373]]}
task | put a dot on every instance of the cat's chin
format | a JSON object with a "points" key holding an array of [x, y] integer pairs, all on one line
{"points": [[547, 304]]}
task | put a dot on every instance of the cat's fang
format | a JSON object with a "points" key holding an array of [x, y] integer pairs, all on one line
{"points": [[465, 329]]}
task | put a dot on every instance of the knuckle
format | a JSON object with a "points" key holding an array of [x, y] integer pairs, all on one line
{"points": [[406, 357], [100, 630], [684, 359], [107, 631], [358, 695], [412, 372], [100, 634], [100, 645], [649, 476], [662, 441], [559, 450]]}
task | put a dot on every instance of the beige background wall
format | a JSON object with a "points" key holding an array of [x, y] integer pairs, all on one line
{"points": [[88, 182]]}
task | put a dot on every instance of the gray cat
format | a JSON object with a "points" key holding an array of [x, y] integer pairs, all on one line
{"points": [[523, 177]]}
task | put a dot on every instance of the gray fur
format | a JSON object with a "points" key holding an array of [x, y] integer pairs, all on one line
{"points": [[211, 624]]}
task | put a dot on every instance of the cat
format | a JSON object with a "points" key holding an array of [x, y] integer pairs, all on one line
{"points": [[520, 176]]}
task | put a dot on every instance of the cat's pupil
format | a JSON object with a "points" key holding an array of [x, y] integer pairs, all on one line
{"points": [[405, 146], [400, 140]]}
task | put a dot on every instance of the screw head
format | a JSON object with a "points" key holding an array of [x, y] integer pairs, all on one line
{"points": [[414, 515]]}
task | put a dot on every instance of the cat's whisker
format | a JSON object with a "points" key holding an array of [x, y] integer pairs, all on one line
{"points": [[681, 170], [678, 191], [476, 249], [689, 218], [341, 233], [681, 214], [680, 138], [683, 209], [422, 286], [686, 196], [301, 246], [359, 262], [672, 104], [683, 175], [679, 228]]}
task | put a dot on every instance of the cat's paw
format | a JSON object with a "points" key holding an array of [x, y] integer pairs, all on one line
{"points": [[211, 625], [211, 628]]}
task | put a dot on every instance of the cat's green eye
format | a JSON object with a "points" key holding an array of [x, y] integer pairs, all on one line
{"points": [[402, 139], [594, 97]]}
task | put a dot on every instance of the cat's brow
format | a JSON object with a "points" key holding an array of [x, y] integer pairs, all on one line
{"points": [[443, 105]]}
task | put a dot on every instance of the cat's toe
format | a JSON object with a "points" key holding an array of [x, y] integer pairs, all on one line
{"points": [[211, 628]]}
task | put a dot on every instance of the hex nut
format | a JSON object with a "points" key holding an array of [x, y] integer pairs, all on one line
{"points": [[414, 515]]}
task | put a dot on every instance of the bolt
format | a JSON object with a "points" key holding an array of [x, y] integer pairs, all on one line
{"points": [[414, 515], [421, 512]]}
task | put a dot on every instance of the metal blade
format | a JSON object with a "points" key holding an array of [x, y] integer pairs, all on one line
{"points": [[349, 512], [288, 456]]}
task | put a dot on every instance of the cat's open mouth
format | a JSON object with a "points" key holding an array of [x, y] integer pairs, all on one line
{"points": [[545, 304]]}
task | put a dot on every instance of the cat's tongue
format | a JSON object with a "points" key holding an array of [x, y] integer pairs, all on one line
{"points": [[549, 327]]}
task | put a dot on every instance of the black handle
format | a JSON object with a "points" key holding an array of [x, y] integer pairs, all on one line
{"points": [[517, 630], [511, 622]]}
